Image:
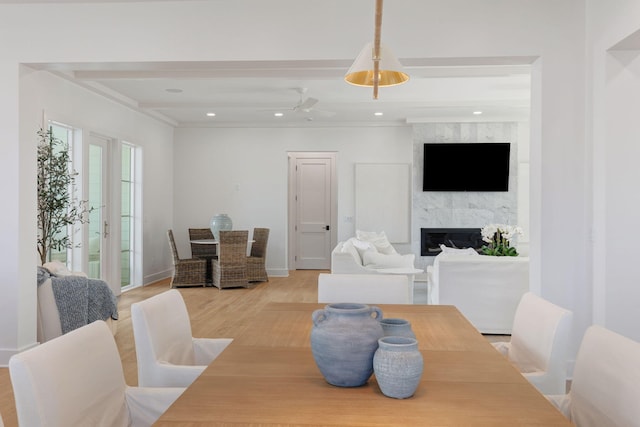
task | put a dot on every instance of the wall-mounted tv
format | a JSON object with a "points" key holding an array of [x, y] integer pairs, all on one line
{"points": [[476, 166]]}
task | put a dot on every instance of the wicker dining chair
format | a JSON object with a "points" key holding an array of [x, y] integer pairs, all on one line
{"points": [[206, 252], [198, 250], [256, 262], [186, 272], [230, 268]]}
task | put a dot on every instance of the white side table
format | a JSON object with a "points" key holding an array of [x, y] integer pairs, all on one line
{"points": [[409, 272]]}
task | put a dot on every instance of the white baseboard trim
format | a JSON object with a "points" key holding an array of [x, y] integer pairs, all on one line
{"points": [[6, 353], [277, 272], [152, 278]]}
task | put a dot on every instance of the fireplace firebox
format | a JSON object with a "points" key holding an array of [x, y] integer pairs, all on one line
{"points": [[432, 238]]}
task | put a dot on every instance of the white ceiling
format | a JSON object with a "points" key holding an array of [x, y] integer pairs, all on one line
{"points": [[249, 93]]}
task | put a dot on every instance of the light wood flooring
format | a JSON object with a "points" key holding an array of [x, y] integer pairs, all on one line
{"points": [[213, 313]]}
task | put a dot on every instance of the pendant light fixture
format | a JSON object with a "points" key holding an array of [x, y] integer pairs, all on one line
{"points": [[376, 65]]}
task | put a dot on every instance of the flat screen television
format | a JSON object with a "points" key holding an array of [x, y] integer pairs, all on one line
{"points": [[476, 166]]}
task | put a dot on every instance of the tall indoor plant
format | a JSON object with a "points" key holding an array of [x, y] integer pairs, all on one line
{"points": [[58, 207]]}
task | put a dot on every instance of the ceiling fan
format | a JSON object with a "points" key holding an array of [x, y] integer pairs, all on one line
{"points": [[305, 105]]}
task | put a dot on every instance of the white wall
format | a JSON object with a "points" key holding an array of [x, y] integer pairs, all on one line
{"points": [[623, 195], [243, 172], [615, 131], [551, 31]]}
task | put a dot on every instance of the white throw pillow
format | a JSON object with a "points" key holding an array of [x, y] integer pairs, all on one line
{"points": [[377, 260], [379, 240], [57, 268], [348, 247], [455, 251], [361, 246]]}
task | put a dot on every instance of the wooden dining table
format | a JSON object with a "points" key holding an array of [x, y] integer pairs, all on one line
{"points": [[267, 376]]}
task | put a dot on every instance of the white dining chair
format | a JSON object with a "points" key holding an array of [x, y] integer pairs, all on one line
{"points": [[364, 288], [166, 352], [605, 389], [539, 343], [77, 380]]}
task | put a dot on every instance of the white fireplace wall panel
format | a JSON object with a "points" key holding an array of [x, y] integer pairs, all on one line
{"points": [[383, 199], [462, 209]]}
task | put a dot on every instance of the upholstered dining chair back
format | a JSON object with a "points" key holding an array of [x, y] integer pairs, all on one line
{"points": [[166, 352], [230, 269], [186, 271], [200, 250], [256, 262], [605, 389], [77, 380], [364, 288], [539, 343]]}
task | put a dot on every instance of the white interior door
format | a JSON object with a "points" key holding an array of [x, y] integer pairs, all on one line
{"points": [[314, 208]]}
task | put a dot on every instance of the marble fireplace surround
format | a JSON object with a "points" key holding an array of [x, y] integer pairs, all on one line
{"points": [[442, 209]]}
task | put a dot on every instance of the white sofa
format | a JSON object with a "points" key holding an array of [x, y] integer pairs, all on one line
{"points": [[347, 259], [347, 262], [364, 288], [486, 289]]}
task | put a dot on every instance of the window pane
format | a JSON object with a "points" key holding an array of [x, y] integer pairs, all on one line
{"points": [[126, 199], [96, 202], [126, 233], [126, 215], [125, 271], [126, 163], [64, 134]]}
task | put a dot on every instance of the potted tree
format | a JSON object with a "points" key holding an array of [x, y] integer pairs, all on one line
{"points": [[58, 206]]}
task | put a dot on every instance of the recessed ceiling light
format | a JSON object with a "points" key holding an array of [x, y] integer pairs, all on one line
{"points": [[211, 114], [477, 113], [278, 114], [174, 90], [378, 113]]}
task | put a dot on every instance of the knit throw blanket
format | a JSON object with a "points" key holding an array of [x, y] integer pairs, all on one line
{"points": [[80, 300]]}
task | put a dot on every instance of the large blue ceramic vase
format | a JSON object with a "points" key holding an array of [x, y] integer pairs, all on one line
{"points": [[344, 339], [220, 222]]}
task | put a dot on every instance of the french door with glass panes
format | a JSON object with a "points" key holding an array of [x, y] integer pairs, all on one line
{"points": [[129, 253], [99, 201], [114, 226]]}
